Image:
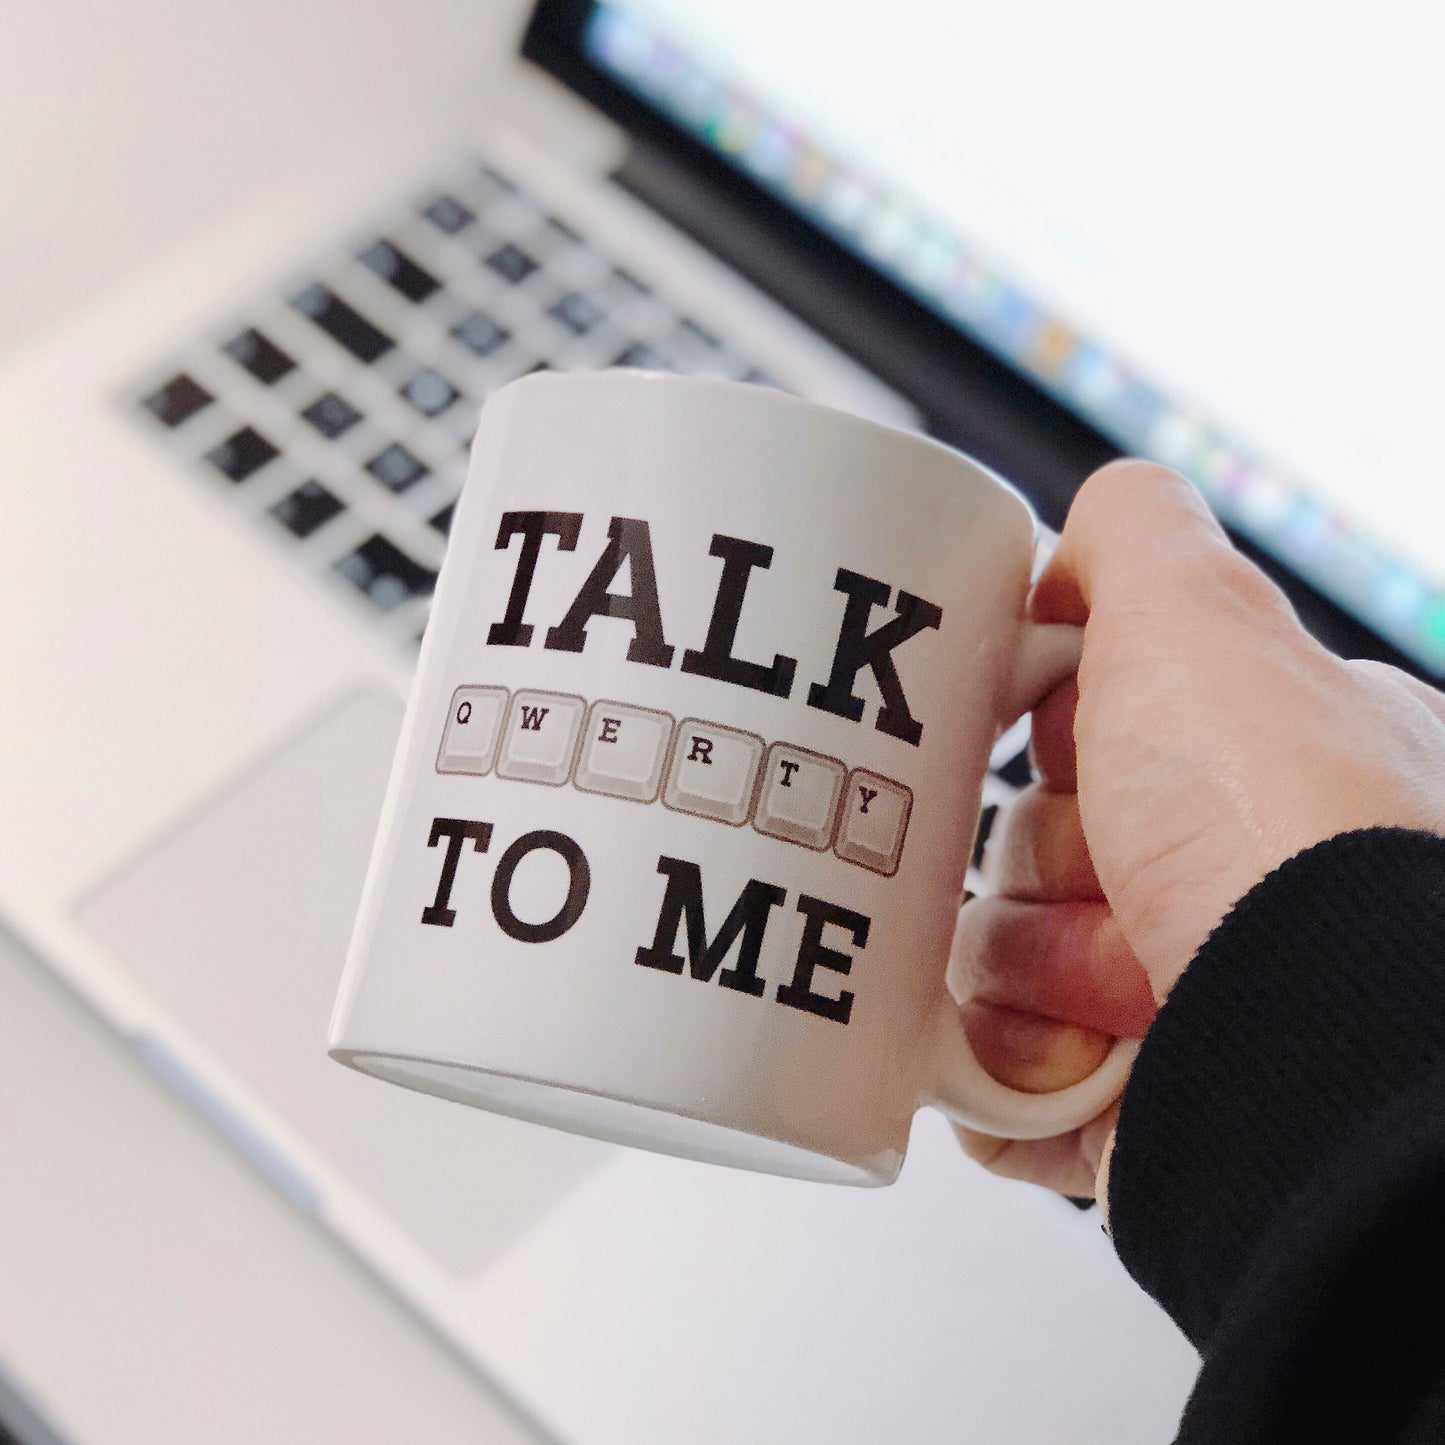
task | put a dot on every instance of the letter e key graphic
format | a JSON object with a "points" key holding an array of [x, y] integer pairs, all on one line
{"points": [[623, 751]]}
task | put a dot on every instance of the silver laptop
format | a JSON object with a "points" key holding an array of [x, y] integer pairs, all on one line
{"points": [[227, 494]]}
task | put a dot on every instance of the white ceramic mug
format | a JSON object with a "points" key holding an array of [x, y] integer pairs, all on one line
{"points": [[679, 820]]}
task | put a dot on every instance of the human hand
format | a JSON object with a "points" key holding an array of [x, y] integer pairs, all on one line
{"points": [[1206, 739]]}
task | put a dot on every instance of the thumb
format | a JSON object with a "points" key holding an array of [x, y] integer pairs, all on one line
{"points": [[1194, 673]]}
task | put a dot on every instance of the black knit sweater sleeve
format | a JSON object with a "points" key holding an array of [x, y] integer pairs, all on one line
{"points": [[1278, 1180]]}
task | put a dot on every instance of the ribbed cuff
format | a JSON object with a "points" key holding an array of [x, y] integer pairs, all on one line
{"points": [[1312, 1005]]}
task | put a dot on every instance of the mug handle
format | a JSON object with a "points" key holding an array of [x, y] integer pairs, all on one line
{"points": [[959, 1085]]}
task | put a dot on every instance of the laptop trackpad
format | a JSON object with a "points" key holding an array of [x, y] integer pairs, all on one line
{"points": [[236, 923]]}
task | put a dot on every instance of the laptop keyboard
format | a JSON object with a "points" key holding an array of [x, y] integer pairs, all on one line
{"points": [[338, 411]]}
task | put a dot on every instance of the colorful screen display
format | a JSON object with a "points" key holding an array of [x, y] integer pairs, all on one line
{"points": [[1212, 231]]}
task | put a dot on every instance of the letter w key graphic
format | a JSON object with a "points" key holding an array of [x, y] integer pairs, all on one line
{"points": [[532, 718]]}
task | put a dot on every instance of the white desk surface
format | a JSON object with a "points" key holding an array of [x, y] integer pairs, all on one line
{"points": [[154, 1289]]}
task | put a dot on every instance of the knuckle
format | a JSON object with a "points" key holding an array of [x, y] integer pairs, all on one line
{"points": [[1252, 592], [1035, 851], [1129, 473], [1372, 671], [975, 941], [1122, 488]]}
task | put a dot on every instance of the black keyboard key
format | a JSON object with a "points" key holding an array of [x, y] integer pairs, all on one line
{"points": [[1017, 770], [578, 313], [307, 508], [443, 519], [178, 400], [342, 323], [396, 468], [480, 334], [641, 355], [260, 356], [332, 415], [399, 271], [385, 573], [448, 214], [242, 454], [986, 820], [430, 392], [511, 263]]}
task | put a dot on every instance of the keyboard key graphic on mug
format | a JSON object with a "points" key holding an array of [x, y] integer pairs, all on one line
{"points": [[623, 751], [875, 820], [469, 740], [799, 796], [541, 737], [713, 771]]}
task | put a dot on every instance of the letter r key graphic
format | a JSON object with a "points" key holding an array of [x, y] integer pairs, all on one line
{"points": [[713, 771]]}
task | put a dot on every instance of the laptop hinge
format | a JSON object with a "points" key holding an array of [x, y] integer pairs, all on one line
{"points": [[966, 396]]}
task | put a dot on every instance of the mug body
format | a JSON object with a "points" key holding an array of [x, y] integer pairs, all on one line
{"points": [[684, 800]]}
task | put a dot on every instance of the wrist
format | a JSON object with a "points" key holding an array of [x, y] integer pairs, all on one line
{"points": [[1312, 1004]]}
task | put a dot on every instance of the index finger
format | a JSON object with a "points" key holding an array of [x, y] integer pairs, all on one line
{"points": [[1134, 529]]}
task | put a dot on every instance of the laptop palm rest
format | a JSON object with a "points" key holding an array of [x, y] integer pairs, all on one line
{"points": [[235, 924]]}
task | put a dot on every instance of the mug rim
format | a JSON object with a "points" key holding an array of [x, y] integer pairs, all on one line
{"points": [[616, 1117], [756, 392]]}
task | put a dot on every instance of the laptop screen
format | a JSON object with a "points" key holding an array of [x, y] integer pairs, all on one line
{"points": [[1212, 233]]}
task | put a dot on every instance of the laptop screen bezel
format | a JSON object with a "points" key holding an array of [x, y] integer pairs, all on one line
{"points": [[967, 394]]}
